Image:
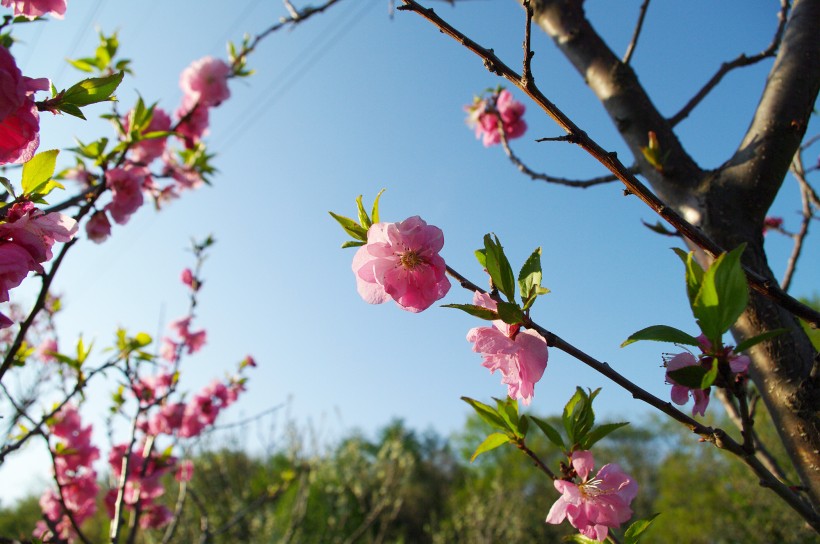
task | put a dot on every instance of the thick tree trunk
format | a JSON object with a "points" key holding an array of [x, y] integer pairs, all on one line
{"points": [[730, 203]]}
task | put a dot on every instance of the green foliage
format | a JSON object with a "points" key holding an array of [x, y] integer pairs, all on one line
{"points": [[358, 229]]}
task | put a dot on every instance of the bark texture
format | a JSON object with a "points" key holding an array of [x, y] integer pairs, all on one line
{"points": [[730, 203]]}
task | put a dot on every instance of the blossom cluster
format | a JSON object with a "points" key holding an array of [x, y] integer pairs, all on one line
{"points": [[74, 456], [19, 120], [32, 9], [737, 364], [27, 236], [596, 504], [488, 116]]}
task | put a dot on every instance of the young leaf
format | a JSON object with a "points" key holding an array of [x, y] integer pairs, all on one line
{"points": [[6, 183], [510, 313], [709, 377], [364, 219], [529, 278], [600, 432], [508, 410], [724, 293], [694, 273], [550, 432], [481, 257], [39, 170], [476, 311], [754, 340], [487, 413], [578, 538], [374, 214], [633, 533], [351, 227], [352, 243], [499, 267], [662, 333], [490, 443], [689, 376], [93, 90]]}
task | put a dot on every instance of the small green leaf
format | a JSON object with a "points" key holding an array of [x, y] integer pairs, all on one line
{"points": [[142, 339], [550, 432], [481, 257], [694, 273], [84, 65], [723, 295], [499, 267], [6, 183], [351, 227], [487, 413], [689, 376], [662, 333], [476, 311], [490, 443], [529, 278], [508, 410], [600, 432], [578, 538], [754, 340], [633, 532], [364, 219], [352, 243], [93, 90], [709, 377], [39, 170], [510, 313], [374, 214], [70, 109]]}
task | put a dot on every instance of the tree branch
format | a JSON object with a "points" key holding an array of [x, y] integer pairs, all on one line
{"points": [[638, 26]]}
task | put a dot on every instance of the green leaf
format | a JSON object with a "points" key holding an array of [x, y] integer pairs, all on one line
{"points": [[39, 170], [510, 313], [550, 432], [487, 413], [481, 257], [723, 294], [364, 219], [689, 376], [374, 214], [529, 278], [6, 183], [351, 227], [600, 432], [84, 65], [476, 311], [142, 339], [662, 333], [633, 532], [508, 410], [490, 443], [70, 109], [352, 243], [754, 340], [569, 410], [694, 273], [709, 377], [499, 267], [93, 90], [578, 538]]}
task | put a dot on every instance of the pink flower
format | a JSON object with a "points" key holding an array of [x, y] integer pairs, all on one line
{"points": [[98, 228], [206, 81], [521, 356], [46, 350], [36, 231], [185, 471], [191, 340], [15, 264], [147, 150], [187, 277], [772, 223], [193, 123], [680, 393], [126, 191], [19, 120], [594, 505], [483, 116], [401, 261], [36, 8]]}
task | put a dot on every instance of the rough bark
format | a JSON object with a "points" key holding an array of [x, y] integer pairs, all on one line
{"points": [[729, 204]]}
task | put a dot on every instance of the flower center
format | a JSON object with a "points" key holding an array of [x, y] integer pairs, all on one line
{"points": [[410, 259], [590, 488]]}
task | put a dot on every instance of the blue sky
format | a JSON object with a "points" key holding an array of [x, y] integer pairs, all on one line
{"points": [[352, 102]]}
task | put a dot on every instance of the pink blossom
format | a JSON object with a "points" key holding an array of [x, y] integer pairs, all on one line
{"points": [[193, 123], [520, 355], [36, 8], [19, 120], [187, 278], [185, 471], [46, 350], [98, 228], [126, 191], [772, 223], [36, 231], [205, 82], [185, 176], [169, 350], [146, 151], [401, 261], [680, 393], [15, 264], [595, 505], [483, 115], [191, 340]]}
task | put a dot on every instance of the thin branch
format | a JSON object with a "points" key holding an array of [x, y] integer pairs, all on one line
{"points": [[537, 460], [524, 169], [759, 283], [172, 528], [526, 69], [116, 520], [243, 422], [638, 27], [799, 237], [739, 62], [716, 436]]}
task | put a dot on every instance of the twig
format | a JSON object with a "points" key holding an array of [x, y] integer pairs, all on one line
{"points": [[638, 27], [739, 62], [799, 237], [61, 495], [538, 462], [526, 69], [172, 528], [716, 436], [116, 520], [243, 422], [759, 283], [524, 169]]}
